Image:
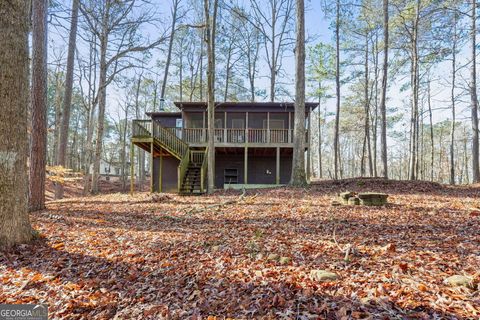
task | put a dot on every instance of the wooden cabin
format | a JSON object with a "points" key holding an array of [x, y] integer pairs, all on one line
{"points": [[253, 145]]}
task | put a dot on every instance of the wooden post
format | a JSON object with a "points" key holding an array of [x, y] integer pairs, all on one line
{"points": [[160, 174], [151, 166], [245, 166], [132, 168], [289, 125], [277, 173], [268, 127], [246, 127], [225, 128], [204, 130], [309, 142]]}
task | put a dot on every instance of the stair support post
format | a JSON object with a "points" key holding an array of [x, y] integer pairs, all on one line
{"points": [[160, 174], [245, 168], [132, 168], [277, 168], [151, 166]]}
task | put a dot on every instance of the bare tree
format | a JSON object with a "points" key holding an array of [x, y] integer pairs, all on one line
{"points": [[452, 96], [336, 149], [175, 9], [38, 145], [117, 28], [14, 222], [210, 28], [383, 96], [298, 163], [274, 21], [67, 100], [473, 96]]}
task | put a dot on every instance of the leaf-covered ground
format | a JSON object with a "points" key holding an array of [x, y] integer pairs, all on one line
{"points": [[173, 257]]}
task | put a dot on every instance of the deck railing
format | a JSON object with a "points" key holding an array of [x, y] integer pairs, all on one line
{"points": [[142, 128], [192, 135], [179, 138], [196, 156], [231, 135]]}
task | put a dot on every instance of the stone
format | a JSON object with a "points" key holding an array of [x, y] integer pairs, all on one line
{"points": [[273, 256], [459, 280], [285, 260], [373, 198], [323, 275], [346, 195], [353, 201]]}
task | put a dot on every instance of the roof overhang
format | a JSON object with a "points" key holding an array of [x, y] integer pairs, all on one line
{"points": [[244, 105]]}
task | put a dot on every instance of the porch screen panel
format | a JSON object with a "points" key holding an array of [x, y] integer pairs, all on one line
{"points": [[257, 129]]}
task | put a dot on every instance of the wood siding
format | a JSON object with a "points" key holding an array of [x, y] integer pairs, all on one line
{"points": [[169, 174]]}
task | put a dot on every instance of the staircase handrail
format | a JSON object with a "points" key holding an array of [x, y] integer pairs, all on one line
{"points": [[182, 169], [169, 140]]}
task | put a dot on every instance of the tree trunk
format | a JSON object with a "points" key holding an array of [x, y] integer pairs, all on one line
{"points": [[38, 145], [474, 98], [432, 146], [210, 26], [273, 66], [298, 163], [14, 222], [452, 128], [102, 101], [320, 171], [228, 68], [67, 100], [92, 105], [367, 109], [336, 151], [383, 109], [170, 46], [414, 83]]}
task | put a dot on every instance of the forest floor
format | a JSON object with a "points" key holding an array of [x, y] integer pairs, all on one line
{"points": [[251, 256]]}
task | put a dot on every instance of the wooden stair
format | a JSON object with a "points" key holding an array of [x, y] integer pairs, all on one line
{"points": [[150, 135], [192, 183]]}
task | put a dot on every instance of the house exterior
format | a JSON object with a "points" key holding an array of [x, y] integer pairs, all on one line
{"points": [[253, 145], [107, 170]]}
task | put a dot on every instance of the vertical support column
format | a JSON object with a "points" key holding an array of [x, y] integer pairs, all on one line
{"points": [[132, 168], [245, 166], [225, 128], [268, 127], [289, 134], [160, 174], [183, 125], [151, 166], [277, 173], [309, 137], [246, 127], [204, 130]]}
